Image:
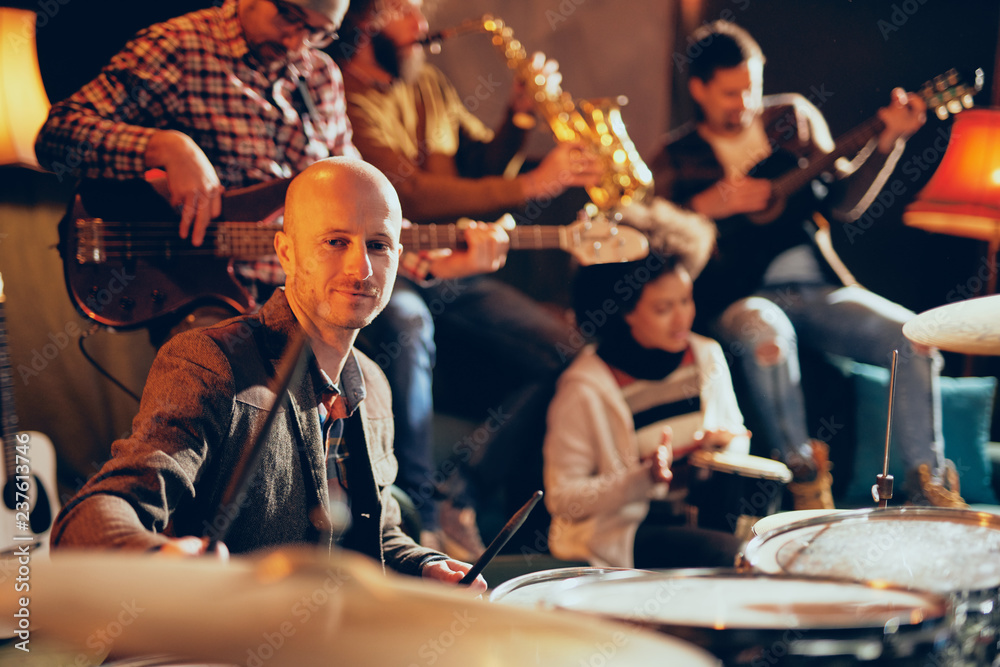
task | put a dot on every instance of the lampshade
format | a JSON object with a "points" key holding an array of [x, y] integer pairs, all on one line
{"points": [[23, 102], [963, 196]]}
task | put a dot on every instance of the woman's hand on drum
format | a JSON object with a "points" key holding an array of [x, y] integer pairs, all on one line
{"points": [[661, 458], [714, 440]]}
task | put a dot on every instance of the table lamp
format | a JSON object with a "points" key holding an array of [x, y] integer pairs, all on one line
{"points": [[23, 102]]}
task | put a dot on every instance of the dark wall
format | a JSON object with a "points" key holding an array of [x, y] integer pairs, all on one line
{"points": [[78, 38]]}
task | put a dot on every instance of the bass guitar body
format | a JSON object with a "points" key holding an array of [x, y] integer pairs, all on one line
{"points": [[128, 290]]}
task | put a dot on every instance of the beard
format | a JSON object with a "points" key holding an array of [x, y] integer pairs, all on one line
{"points": [[356, 319], [401, 62], [330, 308]]}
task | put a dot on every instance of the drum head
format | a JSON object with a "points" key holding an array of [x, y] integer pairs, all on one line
{"points": [[934, 549], [745, 465], [535, 588], [738, 616]]}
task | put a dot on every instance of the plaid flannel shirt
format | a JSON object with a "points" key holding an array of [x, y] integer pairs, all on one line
{"points": [[195, 74]]}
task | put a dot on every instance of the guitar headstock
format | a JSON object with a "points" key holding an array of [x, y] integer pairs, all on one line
{"points": [[948, 94], [594, 239]]}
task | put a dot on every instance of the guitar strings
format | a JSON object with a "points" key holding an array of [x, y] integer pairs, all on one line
{"points": [[152, 239], [857, 137]]}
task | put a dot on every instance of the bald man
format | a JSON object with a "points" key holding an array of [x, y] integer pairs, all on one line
{"points": [[209, 389]]}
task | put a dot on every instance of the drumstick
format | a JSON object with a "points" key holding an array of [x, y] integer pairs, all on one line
{"points": [[292, 366], [500, 540]]}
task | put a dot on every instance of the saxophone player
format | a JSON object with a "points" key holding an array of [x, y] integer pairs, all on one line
{"points": [[409, 121]]}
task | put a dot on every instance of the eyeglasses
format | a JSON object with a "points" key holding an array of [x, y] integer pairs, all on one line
{"points": [[293, 17]]}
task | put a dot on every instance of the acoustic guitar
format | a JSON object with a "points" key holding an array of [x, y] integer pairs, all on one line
{"points": [[30, 502], [944, 95], [747, 244], [126, 267]]}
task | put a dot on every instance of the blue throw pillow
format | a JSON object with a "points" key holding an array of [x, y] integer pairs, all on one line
{"points": [[967, 410]]}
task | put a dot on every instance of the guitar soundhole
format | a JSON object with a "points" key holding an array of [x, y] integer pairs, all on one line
{"points": [[9, 495], [41, 514]]}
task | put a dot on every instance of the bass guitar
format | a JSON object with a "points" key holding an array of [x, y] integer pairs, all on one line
{"points": [[30, 502], [126, 267]]}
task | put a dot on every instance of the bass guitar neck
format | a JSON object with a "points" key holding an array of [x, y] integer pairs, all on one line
{"points": [[126, 266]]}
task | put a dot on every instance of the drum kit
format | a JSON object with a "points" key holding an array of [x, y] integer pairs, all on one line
{"points": [[882, 586], [887, 586]]}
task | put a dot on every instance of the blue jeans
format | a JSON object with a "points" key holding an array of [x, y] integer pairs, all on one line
{"points": [[763, 333], [481, 322]]}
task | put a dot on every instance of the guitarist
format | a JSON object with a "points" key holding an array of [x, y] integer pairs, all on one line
{"points": [[220, 98], [768, 288]]}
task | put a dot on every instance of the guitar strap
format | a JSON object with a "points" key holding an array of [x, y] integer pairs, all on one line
{"points": [[824, 241], [307, 99]]}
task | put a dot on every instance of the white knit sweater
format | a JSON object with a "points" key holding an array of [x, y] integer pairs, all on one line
{"points": [[595, 488]]}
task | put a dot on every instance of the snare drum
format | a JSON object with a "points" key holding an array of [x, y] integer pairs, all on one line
{"points": [[759, 619], [949, 551], [725, 487], [535, 588]]}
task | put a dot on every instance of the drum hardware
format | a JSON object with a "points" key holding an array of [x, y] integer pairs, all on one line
{"points": [[882, 489]]}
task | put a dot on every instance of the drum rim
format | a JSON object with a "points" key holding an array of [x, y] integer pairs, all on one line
{"points": [[777, 475], [938, 602], [506, 588], [870, 514]]}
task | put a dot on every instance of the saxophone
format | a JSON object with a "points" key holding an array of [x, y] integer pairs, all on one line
{"points": [[597, 123]]}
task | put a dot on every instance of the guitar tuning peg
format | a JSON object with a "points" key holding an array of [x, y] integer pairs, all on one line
{"points": [[941, 112], [954, 106]]}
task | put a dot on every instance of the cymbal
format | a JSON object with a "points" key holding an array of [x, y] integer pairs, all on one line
{"points": [[969, 327], [297, 607]]}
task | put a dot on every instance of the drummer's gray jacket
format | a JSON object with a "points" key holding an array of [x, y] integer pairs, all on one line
{"points": [[207, 393], [596, 489]]}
